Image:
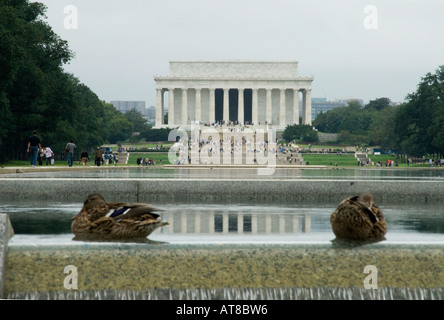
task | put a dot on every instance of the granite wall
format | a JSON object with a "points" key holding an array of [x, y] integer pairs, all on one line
{"points": [[6, 233], [216, 191]]}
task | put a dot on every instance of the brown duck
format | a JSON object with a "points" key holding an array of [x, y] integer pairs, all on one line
{"points": [[109, 221], [358, 218]]}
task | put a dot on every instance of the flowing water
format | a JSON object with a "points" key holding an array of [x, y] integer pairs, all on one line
{"points": [[234, 294]]}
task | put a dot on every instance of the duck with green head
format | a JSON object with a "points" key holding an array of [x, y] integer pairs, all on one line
{"points": [[111, 221]]}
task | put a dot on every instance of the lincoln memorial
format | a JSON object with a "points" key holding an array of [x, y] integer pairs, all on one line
{"points": [[236, 92]]}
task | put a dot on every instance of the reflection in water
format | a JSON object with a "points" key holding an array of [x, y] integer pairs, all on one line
{"points": [[245, 173], [204, 223], [212, 222]]}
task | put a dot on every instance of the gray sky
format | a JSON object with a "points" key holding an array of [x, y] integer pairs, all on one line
{"points": [[120, 45]]}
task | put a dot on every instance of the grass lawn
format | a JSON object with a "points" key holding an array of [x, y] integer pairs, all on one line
{"points": [[58, 163], [343, 160], [384, 157], [141, 146], [156, 156]]}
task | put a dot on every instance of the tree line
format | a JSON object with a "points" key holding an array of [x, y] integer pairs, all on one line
{"points": [[37, 94], [414, 127]]}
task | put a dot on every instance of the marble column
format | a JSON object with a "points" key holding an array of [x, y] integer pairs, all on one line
{"points": [[296, 106], [240, 114], [212, 113], [226, 115], [306, 107], [225, 222], [198, 111], [171, 108], [184, 106], [240, 223], [269, 115], [159, 108], [183, 223], [255, 107], [282, 116]]}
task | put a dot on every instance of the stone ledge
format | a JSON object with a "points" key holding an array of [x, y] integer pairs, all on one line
{"points": [[221, 190], [211, 267], [6, 232]]}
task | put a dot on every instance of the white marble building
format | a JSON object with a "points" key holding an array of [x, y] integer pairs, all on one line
{"points": [[245, 92]]}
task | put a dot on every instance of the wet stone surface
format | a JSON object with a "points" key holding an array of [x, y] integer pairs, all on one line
{"points": [[222, 266]]}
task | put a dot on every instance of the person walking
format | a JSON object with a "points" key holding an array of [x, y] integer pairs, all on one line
{"points": [[84, 156], [48, 155], [34, 147], [69, 149], [41, 156], [98, 158]]}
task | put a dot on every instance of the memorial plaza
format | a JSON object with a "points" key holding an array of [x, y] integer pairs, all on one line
{"points": [[253, 93]]}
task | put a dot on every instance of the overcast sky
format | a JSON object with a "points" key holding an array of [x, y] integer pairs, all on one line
{"points": [[353, 48]]}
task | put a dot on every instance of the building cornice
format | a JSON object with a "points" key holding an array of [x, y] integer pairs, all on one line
{"points": [[170, 78]]}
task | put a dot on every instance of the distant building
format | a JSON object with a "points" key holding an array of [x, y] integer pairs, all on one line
{"points": [[345, 101], [321, 105], [125, 106], [151, 112], [233, 91]]}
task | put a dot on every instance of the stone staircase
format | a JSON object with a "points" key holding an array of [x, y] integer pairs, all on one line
{"points": [[284, 159], [123, 157], [363, 159]]}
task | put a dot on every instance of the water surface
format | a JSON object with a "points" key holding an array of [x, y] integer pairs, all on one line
{"points": [[50, 223], [432, 174]]}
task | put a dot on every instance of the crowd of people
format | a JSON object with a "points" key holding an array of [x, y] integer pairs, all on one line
{"points": [[387, 163], [146, 161], [105, 158], [210, 147], [39, 154], [207, 148]]}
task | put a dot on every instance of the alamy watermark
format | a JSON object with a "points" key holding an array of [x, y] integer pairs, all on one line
{"points": [[371, 17], [71, 21], [371, 281], [232, 146], [71, 280]]}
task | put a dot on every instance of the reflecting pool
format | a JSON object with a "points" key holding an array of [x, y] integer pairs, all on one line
{"points": [[433, 174], [47, 223], [228, 249]]}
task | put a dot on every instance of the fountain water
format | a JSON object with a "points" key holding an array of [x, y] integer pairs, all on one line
{"points": [[233, 294]]}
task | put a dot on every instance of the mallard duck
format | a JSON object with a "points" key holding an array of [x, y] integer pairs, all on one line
{"points": [[108, 221], [358, 218]]}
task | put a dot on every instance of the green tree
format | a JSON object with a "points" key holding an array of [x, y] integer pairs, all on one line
{"points": [[136, 118], [37, 94], [117, 126], [359, 125], [420, 122], [378, 104], [31, 56], [155, 135], [301, 133], [382, 129], [330, 121]]}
